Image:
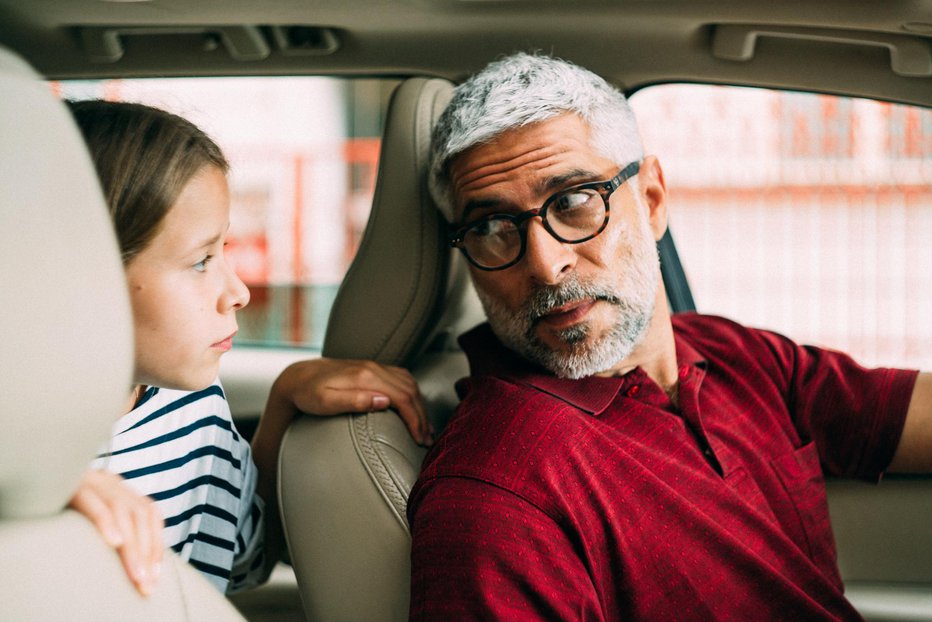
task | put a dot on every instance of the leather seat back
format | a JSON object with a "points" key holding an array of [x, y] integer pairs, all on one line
{"points": [[65, 372]]}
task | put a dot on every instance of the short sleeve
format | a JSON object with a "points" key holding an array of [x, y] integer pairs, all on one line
{"points": [[854, 414]]}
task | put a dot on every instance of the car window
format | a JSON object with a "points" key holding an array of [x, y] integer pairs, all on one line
{"points": [[304, 154], [806, 214]]}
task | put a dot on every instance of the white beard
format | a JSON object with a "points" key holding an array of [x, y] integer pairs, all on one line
{"points": [[585, 355]]}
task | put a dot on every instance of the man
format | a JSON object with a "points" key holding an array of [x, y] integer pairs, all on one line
{"points": [[609, 461]]}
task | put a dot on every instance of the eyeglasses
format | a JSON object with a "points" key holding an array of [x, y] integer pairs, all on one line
{"points": [[574, 215]]}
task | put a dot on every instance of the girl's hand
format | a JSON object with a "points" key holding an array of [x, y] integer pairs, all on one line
{"points": [[332, 386], [128, 521]]}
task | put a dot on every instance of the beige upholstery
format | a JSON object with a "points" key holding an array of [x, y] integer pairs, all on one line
{"points": [[344, 481], [66, 361]]}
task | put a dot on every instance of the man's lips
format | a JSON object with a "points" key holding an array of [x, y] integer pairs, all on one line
{"points": [[224, 344], [567, 315]]}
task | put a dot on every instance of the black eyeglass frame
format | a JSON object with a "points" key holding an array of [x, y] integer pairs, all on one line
{"points": [[604, 188]]}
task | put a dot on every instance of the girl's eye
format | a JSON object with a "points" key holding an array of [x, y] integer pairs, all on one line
{"points": [[201, 266]]}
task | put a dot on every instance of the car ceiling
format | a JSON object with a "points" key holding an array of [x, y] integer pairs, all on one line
{"points": [[873, 49]]}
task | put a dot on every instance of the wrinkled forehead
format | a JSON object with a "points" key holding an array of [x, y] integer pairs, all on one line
{"points": [[552, 147]]}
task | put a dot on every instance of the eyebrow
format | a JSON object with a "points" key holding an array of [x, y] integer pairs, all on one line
{"points": [[577, 175], [213, 239], [478, 204], [548, 185]]}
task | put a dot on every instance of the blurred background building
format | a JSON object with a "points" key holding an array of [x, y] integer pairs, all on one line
{"points": [[810, 215], [806, 214]]}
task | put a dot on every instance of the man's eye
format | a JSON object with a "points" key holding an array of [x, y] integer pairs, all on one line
{"points": [[578, 199], [489, 227]]}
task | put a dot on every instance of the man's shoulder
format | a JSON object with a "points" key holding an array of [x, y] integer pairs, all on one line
{"points": [[701, 324], [502, 402], [500, 424], [715, 336]]}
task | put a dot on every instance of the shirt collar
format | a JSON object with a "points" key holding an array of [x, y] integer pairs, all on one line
{"points": [[593, 394], [488, 357], [686, 353]]}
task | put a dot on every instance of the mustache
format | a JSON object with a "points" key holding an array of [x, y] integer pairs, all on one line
{"points": [[544, 298]]}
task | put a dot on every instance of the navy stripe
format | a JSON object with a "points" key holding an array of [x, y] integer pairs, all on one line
{"points": [[203, 480], [254, 514], [204, 537], [149, 394], [206, 568], [179, 403], [204, 508], [203, 422], [200, 452]]}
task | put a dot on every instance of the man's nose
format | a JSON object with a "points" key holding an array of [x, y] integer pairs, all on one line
{"points": [[547, 259]]}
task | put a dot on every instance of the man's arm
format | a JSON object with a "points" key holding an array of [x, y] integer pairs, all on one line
{"points": [[914, 452], [482, 553]]}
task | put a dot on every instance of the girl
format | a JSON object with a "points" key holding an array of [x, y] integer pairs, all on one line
{"points": [[176, 472]]}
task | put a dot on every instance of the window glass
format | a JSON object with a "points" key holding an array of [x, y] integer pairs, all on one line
{"points": [[303, 154], [807, 214]]}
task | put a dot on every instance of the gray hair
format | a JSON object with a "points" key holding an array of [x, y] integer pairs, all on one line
{"points": [[524, 89]]}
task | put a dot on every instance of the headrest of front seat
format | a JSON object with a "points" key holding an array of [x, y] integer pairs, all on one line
{"points": [[406, 290], [344, 481], [65, 325]]}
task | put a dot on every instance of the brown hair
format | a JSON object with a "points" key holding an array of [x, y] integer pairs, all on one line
{"points": [[144, 158]]}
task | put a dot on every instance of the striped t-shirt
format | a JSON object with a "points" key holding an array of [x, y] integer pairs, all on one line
{"points": [[182, 449]]}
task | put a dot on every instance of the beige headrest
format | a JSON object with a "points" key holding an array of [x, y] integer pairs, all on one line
{"points": [[405, 280], [65, 324]]}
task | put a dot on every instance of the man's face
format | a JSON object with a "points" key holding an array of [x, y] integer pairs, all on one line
{"points": [[577, 309]]}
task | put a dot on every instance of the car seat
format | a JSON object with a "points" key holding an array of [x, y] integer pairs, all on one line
{"points": [[66, 362], [344, 481]]}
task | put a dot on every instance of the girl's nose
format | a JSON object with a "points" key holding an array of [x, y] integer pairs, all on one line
{"points": [[236, 294]]}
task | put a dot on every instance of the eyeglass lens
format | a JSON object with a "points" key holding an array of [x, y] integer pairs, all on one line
{"points": [[570, 217]]}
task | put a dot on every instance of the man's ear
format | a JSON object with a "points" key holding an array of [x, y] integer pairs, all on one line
{"points": [[654, 192]]}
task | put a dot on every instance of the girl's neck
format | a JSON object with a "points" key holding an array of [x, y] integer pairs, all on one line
{"points": [[135, 395]]}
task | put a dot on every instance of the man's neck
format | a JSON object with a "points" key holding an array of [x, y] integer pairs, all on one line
{"points": [[656, 354]]}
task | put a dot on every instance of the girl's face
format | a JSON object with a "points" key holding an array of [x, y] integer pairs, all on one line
{"points": [[183, 291]]}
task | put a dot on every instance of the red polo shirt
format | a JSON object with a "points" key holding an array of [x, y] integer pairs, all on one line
{"points": [[598, 499]]}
